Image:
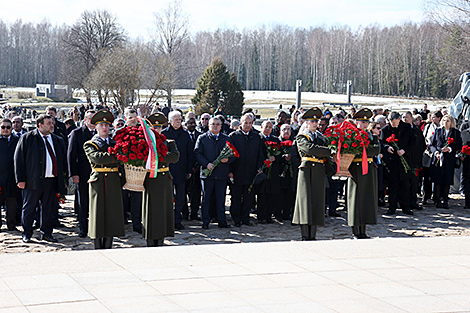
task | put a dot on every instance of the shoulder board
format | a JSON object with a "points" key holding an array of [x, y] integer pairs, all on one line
{"points": [[306, 136], [94, 144]]}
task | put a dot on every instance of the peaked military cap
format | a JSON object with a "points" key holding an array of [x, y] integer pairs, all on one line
{"points": [[312, 114], [157, 119], [363, 114], [102, 116]]}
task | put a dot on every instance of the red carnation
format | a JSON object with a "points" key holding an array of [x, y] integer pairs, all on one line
{"points": [[110, 150], [140, 147], [450, 140], [140, 156], [125, 150], [348, 136], [126, 137], [345, 145], [134, 142], [132, 156], [124, 159], [354, 145], [333, 142], [268, 163]]}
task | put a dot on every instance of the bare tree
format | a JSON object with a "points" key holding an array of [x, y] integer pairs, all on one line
{"points": [[171, 31], [92, 36]]}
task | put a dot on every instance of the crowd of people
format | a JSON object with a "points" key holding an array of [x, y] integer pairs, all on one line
{"points": [[298, 185]]}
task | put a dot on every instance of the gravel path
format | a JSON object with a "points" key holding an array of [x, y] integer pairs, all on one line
{"points": [[429, 222]]}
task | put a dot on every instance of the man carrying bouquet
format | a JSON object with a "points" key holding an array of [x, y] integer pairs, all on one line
{"points": [[213, 178], [396, 161]]}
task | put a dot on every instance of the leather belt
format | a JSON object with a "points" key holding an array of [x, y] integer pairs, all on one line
{"points": [[106, 169], [313, 160], [360, 160], [163, 169]]}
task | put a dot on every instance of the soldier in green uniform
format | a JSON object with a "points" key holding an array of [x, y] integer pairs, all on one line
{"points": [[309, 209], [362, 189], [158, 217], [106, 219]]}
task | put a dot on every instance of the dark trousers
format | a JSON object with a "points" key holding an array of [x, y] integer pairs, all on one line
{"points": [[10, 209], [193, 191], [414, 182], [332, 195], [266, 204], [210, 188], [180, 198], [442, 192], [48, 199], [466, 189], [287, 202], [82, 193], [427, 184], [399, 192], [132, 201], [242, 203]]}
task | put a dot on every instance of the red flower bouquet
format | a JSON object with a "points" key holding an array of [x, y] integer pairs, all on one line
{"points": [[465, 150], [448, 143], [286, 149], [228, 151], [346, 138], [132, 148], [393, 142]]}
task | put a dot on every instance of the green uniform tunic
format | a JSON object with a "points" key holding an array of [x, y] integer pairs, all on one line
{"points": [[105, 218], [158, 217], [362, 197], [310, 199]]}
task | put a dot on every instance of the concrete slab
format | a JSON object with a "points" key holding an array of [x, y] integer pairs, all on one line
{"points": [[376, 275]]}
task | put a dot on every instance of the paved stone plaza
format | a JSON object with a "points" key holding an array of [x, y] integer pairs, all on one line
{"points": [[376, 275]]}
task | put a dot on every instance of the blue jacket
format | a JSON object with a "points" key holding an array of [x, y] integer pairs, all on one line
{"points": [[207, 150]]}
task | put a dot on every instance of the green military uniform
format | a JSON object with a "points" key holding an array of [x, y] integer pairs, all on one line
{"points": [[158, 217], [310, 199], [362, 196], [105, 218]]}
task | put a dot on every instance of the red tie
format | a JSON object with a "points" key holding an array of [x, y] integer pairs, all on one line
{"points": [[54, 160]]}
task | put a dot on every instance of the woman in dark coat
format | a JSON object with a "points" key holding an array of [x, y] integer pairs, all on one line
{"points": [[445, 144], [158, 220]]}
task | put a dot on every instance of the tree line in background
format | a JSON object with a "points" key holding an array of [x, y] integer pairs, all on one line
{"points": [[94, 53]]}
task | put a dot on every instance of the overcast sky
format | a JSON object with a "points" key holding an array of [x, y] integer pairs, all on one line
{"points": [[137, 16]]}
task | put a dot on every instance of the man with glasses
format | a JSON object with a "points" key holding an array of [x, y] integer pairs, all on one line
{"points": [[80, 169], [204, 123], [181, 170], [9, 190], [207, 149]]}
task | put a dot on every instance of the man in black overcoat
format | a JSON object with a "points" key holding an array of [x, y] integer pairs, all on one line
{"points": [[40, 166], [80, 169], [416, 157], [181, 171], [244, 169], [193, 185], [398, 178], [8, 189]]}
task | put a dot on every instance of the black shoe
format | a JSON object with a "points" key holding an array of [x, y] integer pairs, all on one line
{"points": [[49, 238], [408, 211], [205, 226], [363, 236], [223, 225], [466, 207], [35, 226], [238, 224], [82, 234], [334, 214], [419, 208], [354, 237], [13, 228], [26, 239], [195, 218], [308, 239], [446, 204], [247, 223], [179, 226], [390, 212], [381, 202], [137, 229], [439, 205]]}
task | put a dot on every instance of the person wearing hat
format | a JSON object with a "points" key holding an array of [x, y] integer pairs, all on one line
{"points": [[158, 219], [106, 219], [362, 196], [309, 211]]}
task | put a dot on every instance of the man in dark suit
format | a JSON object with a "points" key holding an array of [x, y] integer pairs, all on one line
{"points": [[243, 170], [40, 164], [398, 178], [208, 147], [18, 130], [9, 190], [80, 169], [416, 157], [193, 185], [181, 171]]}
